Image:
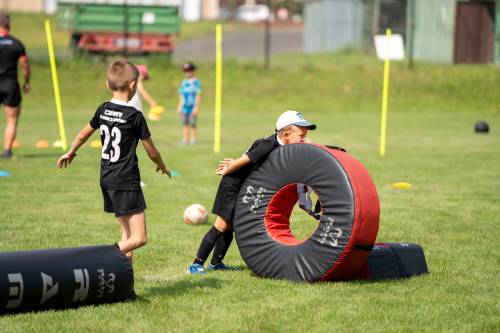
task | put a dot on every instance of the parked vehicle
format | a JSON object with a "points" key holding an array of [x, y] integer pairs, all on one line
{"points": [[108, 28], [252, 13]]}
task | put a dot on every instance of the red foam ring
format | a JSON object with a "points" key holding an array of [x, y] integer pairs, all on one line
{"points": [[365, 221], [277, 217]]}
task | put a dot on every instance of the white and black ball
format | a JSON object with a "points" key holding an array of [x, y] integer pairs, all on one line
{"points": [[195, 214]]}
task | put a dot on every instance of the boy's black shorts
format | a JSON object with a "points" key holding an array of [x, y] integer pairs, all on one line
{"points": [[227, 195], [10, 93], [122, 202], [188, 119]]}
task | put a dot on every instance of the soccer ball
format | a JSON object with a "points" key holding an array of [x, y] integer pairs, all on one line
{"points": [[195, 214]]}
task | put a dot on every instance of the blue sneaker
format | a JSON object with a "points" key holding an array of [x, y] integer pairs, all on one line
{"points": [[196, 269], [219, 267]]}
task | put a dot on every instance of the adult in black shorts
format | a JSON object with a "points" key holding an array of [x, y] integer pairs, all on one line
{"points": [[291, 127], [11, 52]]}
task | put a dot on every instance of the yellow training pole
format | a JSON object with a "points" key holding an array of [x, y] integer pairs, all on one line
{"points": [[218, 86], [385, 96], [55, 83]]}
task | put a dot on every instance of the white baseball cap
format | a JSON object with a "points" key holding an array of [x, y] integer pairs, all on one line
{"points": [[288, 118]]}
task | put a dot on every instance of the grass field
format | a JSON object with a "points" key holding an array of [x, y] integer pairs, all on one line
{"points": [[452, 210]]}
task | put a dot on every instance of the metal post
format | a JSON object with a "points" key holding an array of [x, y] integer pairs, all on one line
{"points": [[411, 34], [267, 41], [125, 29]]}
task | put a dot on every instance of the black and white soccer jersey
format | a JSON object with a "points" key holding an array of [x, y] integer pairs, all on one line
{"points": [[121, 128]]}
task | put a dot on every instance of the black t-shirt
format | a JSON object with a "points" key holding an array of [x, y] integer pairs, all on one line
{"points": [[258, 152], [11, 49], [121, 127]]}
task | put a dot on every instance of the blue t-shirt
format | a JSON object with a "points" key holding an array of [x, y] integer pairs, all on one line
{"points": [[189, 89]]}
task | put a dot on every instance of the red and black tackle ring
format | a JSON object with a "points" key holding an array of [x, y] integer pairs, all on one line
{"points": [[348, 220]]}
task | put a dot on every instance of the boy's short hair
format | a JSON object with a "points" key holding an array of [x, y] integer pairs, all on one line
{"points": [[188, 67], [120, 73], [284, 129], [4, 20]]}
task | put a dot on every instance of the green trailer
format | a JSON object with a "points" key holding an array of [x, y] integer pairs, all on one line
{"points": [[108, 28]]}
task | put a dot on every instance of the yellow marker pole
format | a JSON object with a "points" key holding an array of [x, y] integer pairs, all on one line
{"points": [[218, 86], [55, 83], [385, 96]]}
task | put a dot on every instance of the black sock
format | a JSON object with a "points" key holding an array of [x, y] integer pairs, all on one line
{"points": [[222, 246], [206, 246]]}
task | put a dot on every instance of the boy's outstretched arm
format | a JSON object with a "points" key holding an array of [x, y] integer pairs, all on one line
{"points": [[144, 93], [80, 139], [155, 156], [229, 165]]}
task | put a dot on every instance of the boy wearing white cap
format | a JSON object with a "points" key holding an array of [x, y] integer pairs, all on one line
{"points": [[291, 127]]}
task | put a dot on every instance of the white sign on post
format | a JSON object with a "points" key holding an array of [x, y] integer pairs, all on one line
{"points": [[391, 47]]}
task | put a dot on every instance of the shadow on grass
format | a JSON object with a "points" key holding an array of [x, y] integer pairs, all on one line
{"points": [[183, 287], [352, 281], [40, 155], [238, 268]]}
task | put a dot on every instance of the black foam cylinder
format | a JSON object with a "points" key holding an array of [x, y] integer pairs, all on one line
{"points": [[59, 278]]}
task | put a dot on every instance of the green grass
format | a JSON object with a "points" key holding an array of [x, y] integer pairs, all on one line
{"points": [[452, 210]]}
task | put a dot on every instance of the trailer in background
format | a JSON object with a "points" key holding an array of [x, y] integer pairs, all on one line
{"points": [[119, 28]]}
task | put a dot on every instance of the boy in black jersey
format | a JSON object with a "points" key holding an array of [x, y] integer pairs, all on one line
{"points": [[291, 127], [121, 127], [12, 52]]}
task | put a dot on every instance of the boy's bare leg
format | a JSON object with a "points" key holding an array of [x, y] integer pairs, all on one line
{"points": [[136, 223], [12, 117], [125, 234], [221, 224], [193, 135], [185, 133]]}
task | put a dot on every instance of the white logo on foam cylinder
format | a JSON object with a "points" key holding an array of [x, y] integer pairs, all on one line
{"points": [[16, 290], [82, 278], [49, 288]]}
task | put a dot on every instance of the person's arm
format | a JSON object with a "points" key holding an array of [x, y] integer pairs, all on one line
{"points": [[196, 108], [25, 68], [179, 105], [155, 156], [144, 94], [80, 139], [228, 165]]}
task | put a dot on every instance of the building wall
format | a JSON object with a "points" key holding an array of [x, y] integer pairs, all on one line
{"points": [[210, 9], [434, 33], [36, 6], [331, 25]]}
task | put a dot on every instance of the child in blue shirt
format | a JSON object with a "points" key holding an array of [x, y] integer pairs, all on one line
{"points": [[189, 103]]}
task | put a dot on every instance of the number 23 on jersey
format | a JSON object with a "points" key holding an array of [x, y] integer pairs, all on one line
{"points": [[112, 141]]}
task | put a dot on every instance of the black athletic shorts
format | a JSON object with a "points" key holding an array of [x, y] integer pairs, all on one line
{"points": [[188, 119], [227, 195], [123, 203], [10, 94]]}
